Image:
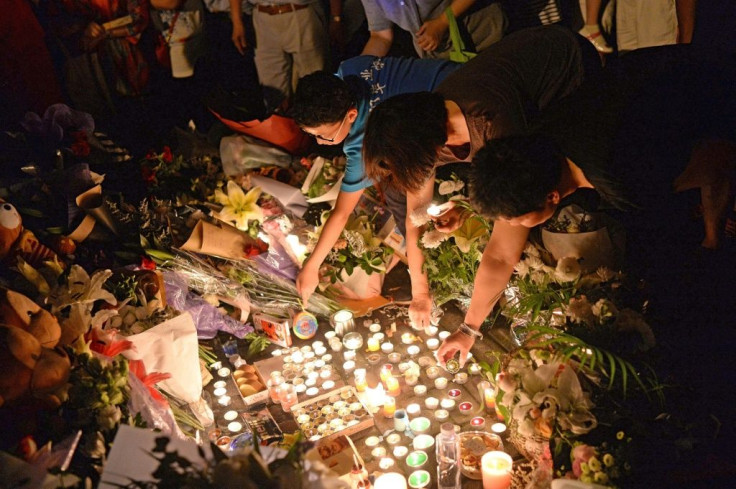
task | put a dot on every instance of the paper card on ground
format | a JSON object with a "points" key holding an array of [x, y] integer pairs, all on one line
{"points": [[289, 197]]}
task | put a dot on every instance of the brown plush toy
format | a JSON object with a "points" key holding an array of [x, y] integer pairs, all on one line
{"points": [[28, 360], [16, 241]]}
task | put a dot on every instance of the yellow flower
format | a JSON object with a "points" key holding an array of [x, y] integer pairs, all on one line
{"points": [[594, 464], [600, 477], [620, 435], [584, 467], [239, 207], [608, 460]]}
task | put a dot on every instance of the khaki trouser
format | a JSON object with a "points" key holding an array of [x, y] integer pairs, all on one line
{"points": [[288, 46]]}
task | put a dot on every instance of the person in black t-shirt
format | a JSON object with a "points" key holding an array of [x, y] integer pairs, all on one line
{"points": [[626, 136]]}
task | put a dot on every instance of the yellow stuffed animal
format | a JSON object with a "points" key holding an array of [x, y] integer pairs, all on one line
{"points": [[16, 241]]}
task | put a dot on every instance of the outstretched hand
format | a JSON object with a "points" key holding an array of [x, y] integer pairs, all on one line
{"points": [[456, 342], [430, 34]]}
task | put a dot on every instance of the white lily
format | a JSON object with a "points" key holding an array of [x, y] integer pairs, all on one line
{"points": [[238, 207]]}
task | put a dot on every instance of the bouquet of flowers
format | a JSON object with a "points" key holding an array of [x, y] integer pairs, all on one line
{"points": [[451, 259], [357, 248], [323, 175]]}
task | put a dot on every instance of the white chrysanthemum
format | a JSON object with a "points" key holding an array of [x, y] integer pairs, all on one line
{"points": [[579, 310], [447, 187], [419, 217], [605, 274], [531, 250], [522, 269], [538, 277], [534, 262], [568, 269], [604, 309], [433, 238]]}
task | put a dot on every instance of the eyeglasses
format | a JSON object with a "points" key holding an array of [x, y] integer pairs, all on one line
{"points": [[334, 136]]}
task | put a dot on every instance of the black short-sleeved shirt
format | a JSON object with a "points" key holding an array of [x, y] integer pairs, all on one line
{"points": [[632, 129], [506, 85]]}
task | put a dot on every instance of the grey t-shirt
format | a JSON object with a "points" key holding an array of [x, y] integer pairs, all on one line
{"points": [[503, 88]]}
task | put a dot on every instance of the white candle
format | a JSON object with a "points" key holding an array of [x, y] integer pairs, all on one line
{"points": [[230, 415], [496, 467], [223, 372], [387, 347], [498, 428], [392, 480], [431, 330], [433, 343], [235, 426], [220, 391], [431, 402], [413, 409], [224, 400], [434, 210]]}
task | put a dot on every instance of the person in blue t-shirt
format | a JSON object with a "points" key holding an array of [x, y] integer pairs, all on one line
{"points": [[334, 109]]}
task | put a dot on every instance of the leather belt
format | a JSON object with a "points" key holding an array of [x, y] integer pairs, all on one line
{"points": [[279, 9]]}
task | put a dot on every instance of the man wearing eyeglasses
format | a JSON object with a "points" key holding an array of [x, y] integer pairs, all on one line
{"points": [[334, 109]]}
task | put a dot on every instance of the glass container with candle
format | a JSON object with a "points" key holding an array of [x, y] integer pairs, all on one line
{"points": [[387, 370], [389, 407], [419, 479], [496, 470], [352, 340], [401, 420], [392, 386], [287, 396], [373, 344], [342, 322], [361, 383]]}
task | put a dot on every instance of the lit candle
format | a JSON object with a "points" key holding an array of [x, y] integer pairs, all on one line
{"points": [[387, 370], [223, 372], [374, 328], [431, 330], [361, 383], [392, 386], [372, 441], [373, 344], [478, 423], [420, 390], [389, 407], [431, 402], [498, 428], [433, 343], [420, 425], [235, 426], [342, 321], [378, 452], [224, 401], [440, 382], [441, 415], [454, 393], [392, 480], [387, 347], [465, 407], [413, 409], [386, 463], [348, 366], [447, 403], [220, 384], [474, 369], [419, 479], [400, 451], [416, 459], [230, 415], [423, 442], [413, 350], [348, 355], [496, 467], [488, 394], [407, 338], [434, 210], [220, 391]]}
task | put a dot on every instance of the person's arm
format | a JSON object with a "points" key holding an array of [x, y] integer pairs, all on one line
{"points": [[379, 43], [166, 4], [236, 17], [501, 254], [685, 20], [308, 278], [431, 32], [421, 301]]}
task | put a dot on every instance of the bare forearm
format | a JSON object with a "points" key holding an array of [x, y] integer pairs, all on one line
{"points": [[490, 281], [378, 44], [685, 20], [419, 281], [459, 7], [346, 202], [236, 11]]}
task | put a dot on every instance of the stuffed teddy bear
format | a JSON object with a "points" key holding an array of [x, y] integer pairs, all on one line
{"points": [[30, 360], [17, 241]]}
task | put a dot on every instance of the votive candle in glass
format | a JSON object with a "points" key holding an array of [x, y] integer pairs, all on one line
{"points": [[391, 480], [392, 386], [496, 469], [389, 407], [361, 383], [373, 344], [478, 423], [419, 479], [387, 370], [417, 459]]}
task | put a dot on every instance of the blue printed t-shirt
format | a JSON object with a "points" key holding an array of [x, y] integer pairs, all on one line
{"points": [[375, 80]]}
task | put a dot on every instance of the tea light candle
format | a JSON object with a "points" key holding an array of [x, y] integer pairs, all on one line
{"points": [[223, 372], [378, 452], [434, 210], [440, 383], [460, 378], [407, 338], [393, 439], [465, 407], [276, 353], [413, 350], [311, 380], [496, 469], [419, 479], [392, 480], [400, 451], [387, 463], [420, 425], [433, 343], [372, 441], [413, 409], [342, 321], [498, 428], [235, 426], [379, 336], [478, 423], [328, 385], [431, 330], [230, 416], [474, 369], [433, 372], [326, 358], [374, 328], [220, 391], [431, 403], [348, 355], [423, 442], [454, 393], [216, 365], [312, 391], [325, 374], [420, 390], [387, 347], [224, 400], [394, 357], [447, 403], [219, 384], [329, 335], [335, 344], [416, 459], [319, 351], [441, 415], [373, 344], [443, 335], [348, 366], [297, 357], [392, 385]]}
